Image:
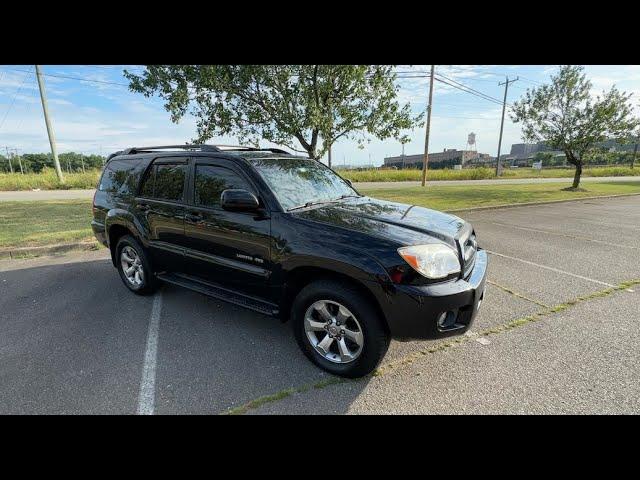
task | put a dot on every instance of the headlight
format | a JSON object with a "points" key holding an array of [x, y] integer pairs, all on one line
{"points": [[431, 261]]}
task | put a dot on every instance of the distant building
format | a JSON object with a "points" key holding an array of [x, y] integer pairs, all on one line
{"points": [[446, 158], [523, 154]]}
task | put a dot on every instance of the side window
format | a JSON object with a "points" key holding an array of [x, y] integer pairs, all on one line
{"points": [[146, 190], [169, 183], [210, 182], [117, 177], [164, 182]]}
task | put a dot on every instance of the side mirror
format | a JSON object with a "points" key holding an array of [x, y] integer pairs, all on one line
{"points": [[238, 200]]}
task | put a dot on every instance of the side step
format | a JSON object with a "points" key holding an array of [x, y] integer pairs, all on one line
{"points": [[220, 293]]}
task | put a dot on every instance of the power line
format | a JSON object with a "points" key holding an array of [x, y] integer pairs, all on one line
{"points": [[14, 98], [468, 91], [75, 78], [487, 97]]}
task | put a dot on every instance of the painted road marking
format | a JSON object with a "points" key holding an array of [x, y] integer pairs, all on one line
{"points": [[146, 399], [580, 237], [557, 270]]}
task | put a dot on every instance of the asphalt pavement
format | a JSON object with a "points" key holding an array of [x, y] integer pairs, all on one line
{"points": [[74, 340]]}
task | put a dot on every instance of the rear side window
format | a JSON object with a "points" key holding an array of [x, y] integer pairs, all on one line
{"points": [[165, 182], [211, 181], [119, 177]]}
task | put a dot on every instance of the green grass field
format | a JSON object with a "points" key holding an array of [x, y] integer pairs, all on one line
{"points": [[25, 224], [458, 197], [48, 180], [481, 174]]}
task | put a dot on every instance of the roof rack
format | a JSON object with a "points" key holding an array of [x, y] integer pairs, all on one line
{"points": [[203, 148], [251, 149]]}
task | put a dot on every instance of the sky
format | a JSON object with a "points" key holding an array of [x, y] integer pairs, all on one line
{"points": [[93, 111]]}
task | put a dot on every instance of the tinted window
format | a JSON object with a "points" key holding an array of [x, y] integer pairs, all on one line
{"points": [[169, 184], [119, 177], [164, 182], [147, 184], [211, 181]]}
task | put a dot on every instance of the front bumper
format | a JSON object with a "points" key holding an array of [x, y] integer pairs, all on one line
{"points": [[413, 312]]}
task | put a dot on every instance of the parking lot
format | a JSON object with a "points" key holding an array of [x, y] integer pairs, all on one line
{"points": [[73, 339]]}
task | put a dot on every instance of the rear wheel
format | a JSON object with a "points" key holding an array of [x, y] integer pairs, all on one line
{"points": [[338, 329], [134, 266]]}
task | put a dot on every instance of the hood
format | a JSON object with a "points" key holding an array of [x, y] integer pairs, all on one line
{"points": [[406, 224]]}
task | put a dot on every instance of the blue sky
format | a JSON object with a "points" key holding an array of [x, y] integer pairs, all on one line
{"points": [[94, 117]]}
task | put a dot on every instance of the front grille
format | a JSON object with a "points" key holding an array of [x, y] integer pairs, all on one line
{"points": [[469, 248]]}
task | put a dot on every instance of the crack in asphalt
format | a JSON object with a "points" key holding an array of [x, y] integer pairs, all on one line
{"points": [[516, 294], [413, 357]]}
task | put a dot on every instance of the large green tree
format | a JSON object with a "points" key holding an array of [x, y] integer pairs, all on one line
{"points": [[566, 116], [303, 107]]}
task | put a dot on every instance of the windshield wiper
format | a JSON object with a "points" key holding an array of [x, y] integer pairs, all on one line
{"points": [[320, 202], [308, 204]]}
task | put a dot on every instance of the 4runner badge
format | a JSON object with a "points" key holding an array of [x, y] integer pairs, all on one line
{"points": [[251, 259]]}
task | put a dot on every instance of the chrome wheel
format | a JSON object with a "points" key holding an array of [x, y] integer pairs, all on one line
{"points": [[333, 331], [132, 266]]}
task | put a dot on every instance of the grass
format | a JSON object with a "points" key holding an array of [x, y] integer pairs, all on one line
{"points": [[462, 196], [47, 180], [481, 174], [28, 224]]}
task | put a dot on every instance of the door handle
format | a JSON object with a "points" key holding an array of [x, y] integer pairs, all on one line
{"points": [[193, 217]]}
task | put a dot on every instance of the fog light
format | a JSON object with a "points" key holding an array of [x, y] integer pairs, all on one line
{"points": [[447, 319]]}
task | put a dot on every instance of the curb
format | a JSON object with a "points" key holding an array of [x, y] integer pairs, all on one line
{"points": [[532, 204], [16, 253]]}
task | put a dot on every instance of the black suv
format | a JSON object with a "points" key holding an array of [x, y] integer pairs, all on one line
{"points": [[286, 236]]}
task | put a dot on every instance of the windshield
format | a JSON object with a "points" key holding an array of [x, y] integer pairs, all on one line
{"points": [[297, 182]]}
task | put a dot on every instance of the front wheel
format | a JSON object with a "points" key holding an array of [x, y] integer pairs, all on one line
{"points": [[338, 329]]}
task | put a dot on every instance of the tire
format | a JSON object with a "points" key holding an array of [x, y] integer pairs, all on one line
{"points": [[343, 302], [129, 248]]}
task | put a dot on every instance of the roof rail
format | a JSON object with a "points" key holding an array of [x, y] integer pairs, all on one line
{"points": [[202, 147], [251, 149]]}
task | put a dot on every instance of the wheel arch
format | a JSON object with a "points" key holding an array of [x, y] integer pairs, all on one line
{"points": [[301, 276], [119, 223]]}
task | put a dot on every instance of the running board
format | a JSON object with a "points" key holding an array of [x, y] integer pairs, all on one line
{"points": [[215, 291]]}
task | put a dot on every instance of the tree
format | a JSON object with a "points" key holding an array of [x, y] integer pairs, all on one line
{"points": [[567, 117], [306, 108]]}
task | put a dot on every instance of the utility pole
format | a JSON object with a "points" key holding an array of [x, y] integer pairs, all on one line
{"points": [[425, 162], [52, 139], [403, 155], [504, 105], [19, 160], [635, 151], [9, 159]]}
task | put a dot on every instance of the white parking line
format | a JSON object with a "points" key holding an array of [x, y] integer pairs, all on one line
{"points": [[557, 270], [580, 237], [146, 399]]}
